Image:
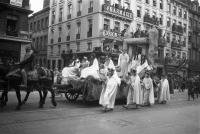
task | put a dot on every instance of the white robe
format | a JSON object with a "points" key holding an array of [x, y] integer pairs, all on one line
{"points": [[93, 70], [164, 91], [148, 91], [68, 73], [111, 65], [108, 94], [123, 63], [134, 93]]}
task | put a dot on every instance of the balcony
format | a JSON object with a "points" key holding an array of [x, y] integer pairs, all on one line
{"points": [[89, 34], [177, 29], [151, 20], [90, 10], [78, 36], [196, 30], [68, 38], [12, 33], [59, 39], [78, 13], [118, 12], [178, 44], [69, 16]]}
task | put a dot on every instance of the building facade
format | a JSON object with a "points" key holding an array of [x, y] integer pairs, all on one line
{"points": [[38, 30], [14, 29], [194, 38], [81, 26], [78, 26]]}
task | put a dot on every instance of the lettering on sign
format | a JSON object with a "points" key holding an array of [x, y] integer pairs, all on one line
{"points": [[16, 2], [111, 34], [117, 11]]}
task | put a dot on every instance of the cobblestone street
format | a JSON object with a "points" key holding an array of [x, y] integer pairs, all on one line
{"points": [[178, 116]]}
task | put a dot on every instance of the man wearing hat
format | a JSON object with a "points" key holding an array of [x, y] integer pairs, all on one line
{"points": [[26, 64], [148, 90]]}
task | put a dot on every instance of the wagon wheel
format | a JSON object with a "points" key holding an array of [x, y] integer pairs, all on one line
{"points": [[71, 95]]}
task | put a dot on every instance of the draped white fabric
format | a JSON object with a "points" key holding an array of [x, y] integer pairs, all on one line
{"points": [[164, 91], [148, 91], [91, 71], [108, 93], [135, 93]]}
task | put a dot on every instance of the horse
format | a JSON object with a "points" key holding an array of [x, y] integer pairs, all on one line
{"points": [[42, 84]]}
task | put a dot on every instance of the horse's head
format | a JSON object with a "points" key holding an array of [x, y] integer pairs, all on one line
{"points": [[44, 73]]}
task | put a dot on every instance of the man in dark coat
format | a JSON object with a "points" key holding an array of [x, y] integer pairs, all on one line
{"points": [[26, 65]]}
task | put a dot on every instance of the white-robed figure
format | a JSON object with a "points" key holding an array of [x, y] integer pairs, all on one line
{"points": [[148, 90], [164, 91], [93, 70], [123, 63], [134, 90], [70, 72], [109, 92]]}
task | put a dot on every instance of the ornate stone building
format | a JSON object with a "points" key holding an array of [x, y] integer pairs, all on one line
{"points": [[14, 28], [38, 30]]}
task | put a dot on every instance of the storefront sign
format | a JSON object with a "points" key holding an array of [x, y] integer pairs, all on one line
{"points": [[112, 9], [111, 34], [16, 2]]}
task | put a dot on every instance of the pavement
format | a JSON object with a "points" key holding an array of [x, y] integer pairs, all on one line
{"points": [[178, 116]]}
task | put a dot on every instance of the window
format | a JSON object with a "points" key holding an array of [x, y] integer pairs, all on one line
{"points": [[147, 1], [154, 14], [161, 19], [90, 9], [41, 43], [147, 11], [139, 12], [79, 5], [174, 10], [78, 46], [89, 27], [46, 22], [185, 27], [60, 33], [38, 25], [34, 26], [168, 22], [68, 47], [106, 24], [78, 27], [154, 3], [126, 26], [53, 17], [117, 26], [68, 29], [60, 13], [59, 49], [89, 46], [174, 22], [31, 27], [169, 7], [70, 9], [185, 14], [180, 12], [127, 5], [91, 3], [168, 37], [161, 4], [42, 24], [51, 50]]}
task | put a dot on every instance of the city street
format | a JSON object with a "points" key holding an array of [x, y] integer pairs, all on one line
{"points": [[179, 116]]}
